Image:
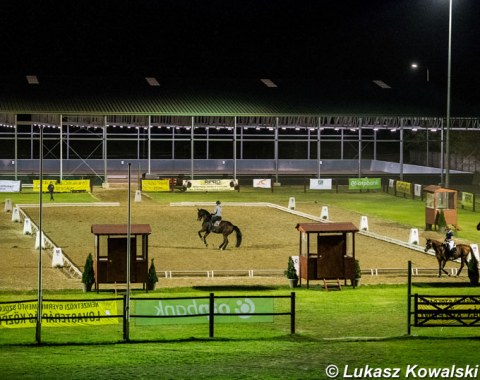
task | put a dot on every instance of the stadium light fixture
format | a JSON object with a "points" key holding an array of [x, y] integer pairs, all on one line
{"points": [[416, 66]]}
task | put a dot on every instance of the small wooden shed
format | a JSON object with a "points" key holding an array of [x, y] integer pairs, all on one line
{"points": [[110, 262], [439, 199], [327, 251]]}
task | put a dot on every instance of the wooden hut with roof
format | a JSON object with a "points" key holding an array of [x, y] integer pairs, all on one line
{"points": [[327, 252]]}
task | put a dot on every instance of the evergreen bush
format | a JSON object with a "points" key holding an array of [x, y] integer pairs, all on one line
{"points": [[291, 272], [441, 222], [152, 277], [88, 275]]}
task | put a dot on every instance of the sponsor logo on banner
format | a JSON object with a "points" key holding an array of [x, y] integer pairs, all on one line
{"points": [[321, 184], [59, 314], [155, 185], [9, 186], [210, 184], [66, 186], [184, 307], [265, 183], [403, 187], [364, 183]]}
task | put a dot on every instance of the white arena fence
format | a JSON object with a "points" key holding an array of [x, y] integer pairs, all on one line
{"points": [[75, 272]]}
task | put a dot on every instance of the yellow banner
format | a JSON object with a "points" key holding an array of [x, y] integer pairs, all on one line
{"points": [[403, 187], [66, 186], [155, 185], [59, 314]]}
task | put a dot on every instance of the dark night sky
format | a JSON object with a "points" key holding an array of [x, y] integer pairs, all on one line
{"points": [[373, 39]]}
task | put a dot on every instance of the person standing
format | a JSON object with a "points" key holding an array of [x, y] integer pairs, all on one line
{"points": [[51, 189]]}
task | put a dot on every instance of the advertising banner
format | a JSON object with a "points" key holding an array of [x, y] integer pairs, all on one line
{"points": [[364, 183], [155, 185], [182, 307], [207, 185], [403, 187], [418, 190], [9, 186], [265, 183], [66, 186], [447, 310], [87, 312], [467, 200], [321, 184]]}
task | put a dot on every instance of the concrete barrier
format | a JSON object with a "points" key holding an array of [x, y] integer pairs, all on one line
{"points": [[363, 223], [291, 203], [324, 213]]}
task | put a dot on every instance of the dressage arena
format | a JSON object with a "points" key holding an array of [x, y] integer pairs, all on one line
{"points": [[269, 237]]}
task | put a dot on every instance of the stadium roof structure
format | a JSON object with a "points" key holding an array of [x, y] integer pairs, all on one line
{"points": [[296, 101]]}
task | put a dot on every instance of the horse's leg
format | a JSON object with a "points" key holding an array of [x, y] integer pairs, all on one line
{"points": [[204, 237], [441, 264], [224, 243], [443, 267]]}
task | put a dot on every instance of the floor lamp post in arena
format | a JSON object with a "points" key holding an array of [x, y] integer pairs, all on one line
{"points": [[127, 302], [38, 335], [449, 79]]}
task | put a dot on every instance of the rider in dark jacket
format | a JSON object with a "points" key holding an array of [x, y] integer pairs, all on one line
{"points": [[449, 244]]}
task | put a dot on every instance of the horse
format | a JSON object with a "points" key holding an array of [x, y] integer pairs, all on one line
{"points": [[225, 228], [461, 252]]}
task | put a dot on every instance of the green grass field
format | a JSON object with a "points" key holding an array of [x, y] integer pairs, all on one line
{"points": [[352, 328]]}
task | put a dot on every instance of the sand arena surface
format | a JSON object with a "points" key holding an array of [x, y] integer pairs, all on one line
{"points": [[269, 237]]}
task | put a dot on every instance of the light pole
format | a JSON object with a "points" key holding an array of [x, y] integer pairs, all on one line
{"points": [[449, 79]]}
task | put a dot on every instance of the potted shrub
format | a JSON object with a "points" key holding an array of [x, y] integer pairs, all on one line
{"points": [[88, 275], [358, 273], [291, 273], [152, 277], [473, 274], [441, 222]]}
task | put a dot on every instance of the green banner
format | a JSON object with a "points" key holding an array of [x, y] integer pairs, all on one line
{"points": [[364, 183], [183, 307]]}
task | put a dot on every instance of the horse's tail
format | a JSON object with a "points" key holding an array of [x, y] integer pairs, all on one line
{"points": [[239, 236], [469, 254]]}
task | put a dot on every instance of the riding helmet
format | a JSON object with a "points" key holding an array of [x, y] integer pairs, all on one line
{"points": [[218, 202]]}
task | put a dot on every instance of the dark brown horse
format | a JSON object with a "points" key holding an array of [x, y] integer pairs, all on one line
{"points": [[225, 228], [461, 252]]}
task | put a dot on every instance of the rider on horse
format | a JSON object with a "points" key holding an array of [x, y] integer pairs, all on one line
{"points": [[217, 214], [449, 244]]}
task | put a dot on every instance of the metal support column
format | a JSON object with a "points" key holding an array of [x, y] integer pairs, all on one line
{"points": [[192, 148], [235, 148], [401, 149]]}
